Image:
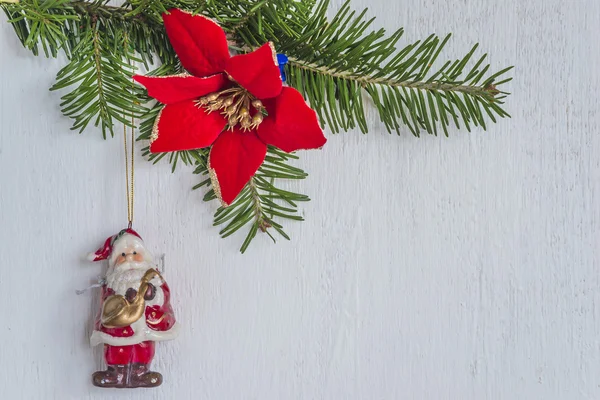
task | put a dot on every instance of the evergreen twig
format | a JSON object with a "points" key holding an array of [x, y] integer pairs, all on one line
{"points": [[337, 63]]}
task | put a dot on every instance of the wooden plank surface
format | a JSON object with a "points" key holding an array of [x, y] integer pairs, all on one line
{"points": [[434, 268]]}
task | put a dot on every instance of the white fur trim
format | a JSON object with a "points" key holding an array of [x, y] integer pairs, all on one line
{"points": [[91, 256], [138, 337]]}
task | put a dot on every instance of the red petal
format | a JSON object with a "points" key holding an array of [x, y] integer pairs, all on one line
{"points": [[258, 72], [233, 160], [185, 126], [176, 88], [291, 124], [199, 42]]}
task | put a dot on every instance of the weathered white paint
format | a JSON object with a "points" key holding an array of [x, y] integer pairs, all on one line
{"points": [[433, 268]]}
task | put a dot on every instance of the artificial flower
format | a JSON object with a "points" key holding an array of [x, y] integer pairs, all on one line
{"points": [[237, 105]]}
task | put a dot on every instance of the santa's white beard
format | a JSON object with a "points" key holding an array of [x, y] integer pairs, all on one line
{"points": [[126, 275]]}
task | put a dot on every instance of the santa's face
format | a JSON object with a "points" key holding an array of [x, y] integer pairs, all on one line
{"points": [[129, 255], [127, 270]]}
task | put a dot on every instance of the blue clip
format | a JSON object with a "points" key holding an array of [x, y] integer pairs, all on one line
{"points": [[282, 60]]}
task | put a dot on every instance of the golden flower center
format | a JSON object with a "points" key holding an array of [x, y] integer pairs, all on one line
{"points": [[237, 105]]}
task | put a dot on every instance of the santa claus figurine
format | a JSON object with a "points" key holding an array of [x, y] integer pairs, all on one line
{"points": [[135, 313]]}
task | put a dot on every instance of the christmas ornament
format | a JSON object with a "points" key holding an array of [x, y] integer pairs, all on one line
{"points": [[135, 313], [237, 105], [135, 310], [232, 117]]}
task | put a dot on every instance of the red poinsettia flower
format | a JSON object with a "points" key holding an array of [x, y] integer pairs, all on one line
{"points": [[237, 105]]}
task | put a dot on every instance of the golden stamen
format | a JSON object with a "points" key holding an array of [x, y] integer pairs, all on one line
{"points": [[213, 96], [237, 105], [246, 122], [256, 120]]}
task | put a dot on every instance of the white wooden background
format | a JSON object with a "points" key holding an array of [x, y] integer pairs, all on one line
{"points": [[433, 268]]}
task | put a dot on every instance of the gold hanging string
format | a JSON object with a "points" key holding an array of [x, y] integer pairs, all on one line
{"points": [[129, 166]]}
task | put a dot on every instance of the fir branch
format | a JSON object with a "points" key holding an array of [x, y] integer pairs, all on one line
{"points": [[364, 80], [103, 91], [345, 61], [261, 204], [41, 23], [333, 62], [337, 63], [254, 11]]}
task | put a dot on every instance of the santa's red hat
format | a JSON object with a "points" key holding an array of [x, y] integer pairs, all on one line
{"points": [[112, 243]]}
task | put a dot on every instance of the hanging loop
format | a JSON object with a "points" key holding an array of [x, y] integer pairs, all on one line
{"points": [[129, 171], [129, 164]]}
